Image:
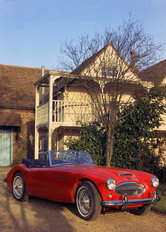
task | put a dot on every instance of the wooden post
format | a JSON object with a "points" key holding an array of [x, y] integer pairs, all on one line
{"points": [[50, 113], [36, 122], [52, 79]]}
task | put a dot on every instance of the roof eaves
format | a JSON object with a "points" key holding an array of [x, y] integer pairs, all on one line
{"points": [[41, 80], [17, 107]]}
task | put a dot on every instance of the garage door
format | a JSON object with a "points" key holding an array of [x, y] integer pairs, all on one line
{"points": [[6, 147]]}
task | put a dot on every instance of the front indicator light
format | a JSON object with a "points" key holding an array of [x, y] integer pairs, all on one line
{"points": [[109, 196]]}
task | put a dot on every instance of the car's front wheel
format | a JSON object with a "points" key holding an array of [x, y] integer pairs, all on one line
{"points": [[19, 189], [141, 211], [88, 201]]}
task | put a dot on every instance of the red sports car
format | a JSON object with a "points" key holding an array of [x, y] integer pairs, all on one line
{"points": [[73, 177]]}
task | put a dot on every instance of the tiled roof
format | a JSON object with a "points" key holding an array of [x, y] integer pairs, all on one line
{"points": [[17, 86], [154, 73]]}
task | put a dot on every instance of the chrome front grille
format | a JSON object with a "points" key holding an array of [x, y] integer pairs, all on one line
{"points": [[130, 188]]}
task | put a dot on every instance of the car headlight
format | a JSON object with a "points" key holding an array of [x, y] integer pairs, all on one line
{"points": [[155, 182], [110, 183]]}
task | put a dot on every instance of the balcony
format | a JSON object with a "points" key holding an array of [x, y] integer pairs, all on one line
{"points": [[64, 113], [42, 115]]}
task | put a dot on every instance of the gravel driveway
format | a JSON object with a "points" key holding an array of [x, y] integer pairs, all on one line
{"points": [[38, 215]]}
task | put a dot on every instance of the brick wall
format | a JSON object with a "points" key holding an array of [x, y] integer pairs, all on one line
{"points": [[23, 136]]}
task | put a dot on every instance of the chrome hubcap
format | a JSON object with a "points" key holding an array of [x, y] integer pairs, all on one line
{"points": [[18, 187]]}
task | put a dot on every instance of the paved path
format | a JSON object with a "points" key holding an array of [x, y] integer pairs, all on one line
{"points": [[38, 215]]}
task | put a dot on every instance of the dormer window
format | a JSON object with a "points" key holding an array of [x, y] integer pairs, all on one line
{"points": [[109, 71]]}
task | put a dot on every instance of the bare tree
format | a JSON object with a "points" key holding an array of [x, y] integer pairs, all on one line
{"points": [[106, 75], [129, 36]]}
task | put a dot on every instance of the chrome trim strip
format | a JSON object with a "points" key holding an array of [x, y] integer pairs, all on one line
{"points": [[125, 202], [65, 177], [130, 202]]}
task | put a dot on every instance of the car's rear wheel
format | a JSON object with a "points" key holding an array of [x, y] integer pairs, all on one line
{"points": [[88, 201], [19, 189], [141, 211]]}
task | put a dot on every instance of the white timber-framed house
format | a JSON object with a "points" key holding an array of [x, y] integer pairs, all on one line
{"points": [[65, 104]]}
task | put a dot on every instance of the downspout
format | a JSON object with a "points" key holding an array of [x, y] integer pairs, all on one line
{"points": [[42, 87]]}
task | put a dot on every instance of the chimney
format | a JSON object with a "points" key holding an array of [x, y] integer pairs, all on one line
{"points": [[133, 67]]}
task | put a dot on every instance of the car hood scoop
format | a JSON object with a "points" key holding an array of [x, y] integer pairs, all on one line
{"points": [[125, 174]]}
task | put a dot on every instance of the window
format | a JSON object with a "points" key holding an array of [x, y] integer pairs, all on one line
{"points": [[109, 71]]}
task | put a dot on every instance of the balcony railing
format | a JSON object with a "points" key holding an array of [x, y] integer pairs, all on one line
{"points": [[65, 113], [42, 114]]}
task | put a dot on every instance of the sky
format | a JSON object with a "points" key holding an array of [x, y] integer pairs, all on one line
{"points": [[32, 31]]}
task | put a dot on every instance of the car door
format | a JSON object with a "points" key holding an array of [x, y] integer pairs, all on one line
{"points": [[36, 182], [51, 182]]}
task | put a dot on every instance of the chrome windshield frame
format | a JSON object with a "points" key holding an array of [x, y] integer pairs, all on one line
{"points": [[62, 162]]}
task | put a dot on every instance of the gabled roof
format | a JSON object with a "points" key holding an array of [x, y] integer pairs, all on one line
{"points": [[85, 64], [155, 73], [17, 86], [88, 61]]}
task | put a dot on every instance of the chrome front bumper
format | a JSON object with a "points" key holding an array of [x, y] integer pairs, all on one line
{"points": [[125, 202]]}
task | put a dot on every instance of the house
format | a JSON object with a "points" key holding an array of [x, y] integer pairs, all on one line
{"points": [[157, 75], [17, 104], [68, 102], [61, 101]]}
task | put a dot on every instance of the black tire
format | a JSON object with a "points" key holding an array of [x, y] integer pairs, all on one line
{"points": [[88, 201], [141, 211], [18, 188]]}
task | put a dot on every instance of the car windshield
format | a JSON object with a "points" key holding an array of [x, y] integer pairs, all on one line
{"points": [[74, 157], [62, 157]]}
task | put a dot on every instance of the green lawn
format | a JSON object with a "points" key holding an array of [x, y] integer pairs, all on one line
{"points": [[160, 207]]}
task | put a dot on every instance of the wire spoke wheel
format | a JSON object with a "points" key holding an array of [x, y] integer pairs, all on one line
{"points": [[84, 201], [19, 191], [18, 187], [88, 201]]}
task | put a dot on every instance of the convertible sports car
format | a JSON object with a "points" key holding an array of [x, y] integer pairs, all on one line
{"points": [[73, 177]]}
